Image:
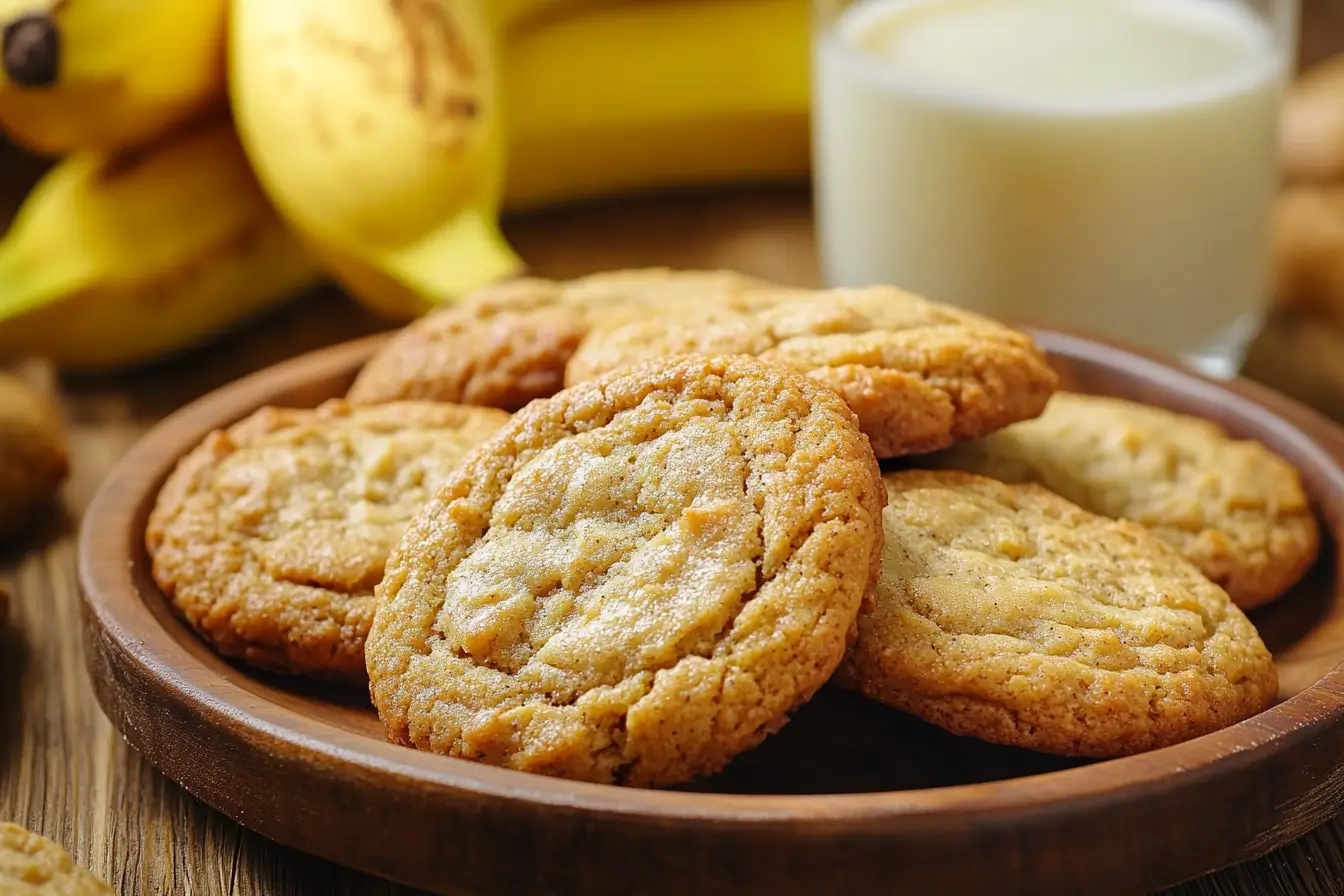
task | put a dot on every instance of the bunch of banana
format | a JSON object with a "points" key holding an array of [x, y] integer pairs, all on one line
{"points": [[388, 134], [152, 233]]}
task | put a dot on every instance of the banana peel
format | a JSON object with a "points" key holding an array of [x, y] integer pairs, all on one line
{"points": [[119, 259], [391, 172], [106, 76], [655, 96], [402, 284]]}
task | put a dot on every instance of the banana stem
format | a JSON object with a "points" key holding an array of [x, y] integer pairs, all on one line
{"points": [[458, 258]]}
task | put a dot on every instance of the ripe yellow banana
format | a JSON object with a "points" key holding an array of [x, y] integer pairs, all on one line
{"points": [[375, 126], [379, 128], [107, 74], [657, 95], [115, 260]]}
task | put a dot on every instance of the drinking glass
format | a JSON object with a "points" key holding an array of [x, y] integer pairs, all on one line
{"points": [[1101, 165]]}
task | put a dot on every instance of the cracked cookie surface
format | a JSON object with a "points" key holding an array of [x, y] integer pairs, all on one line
{"points": [[508, 343], [634, 580], [270, 536], [1232, 507], [32, 865], [920, 376], [1006, 613]]}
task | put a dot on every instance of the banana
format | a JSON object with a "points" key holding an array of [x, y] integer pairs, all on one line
{"points": [[376, 128], [107, 74], [657, 95], [513, 16], [115, 260]]}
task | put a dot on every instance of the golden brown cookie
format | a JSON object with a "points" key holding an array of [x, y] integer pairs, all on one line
{"points": [[1308, 249], [34, 456], [507, 344], [920, 376], [635, 580], [31, 865], [1233, 508], [1311, 134], [1006, 613], [270, 536]]}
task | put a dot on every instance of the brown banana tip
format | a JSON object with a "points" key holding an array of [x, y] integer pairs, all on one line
{"points": [[31, 51]]}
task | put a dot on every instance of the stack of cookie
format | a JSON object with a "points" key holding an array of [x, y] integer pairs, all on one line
{"points": [[1308, 227], [683, 532]]}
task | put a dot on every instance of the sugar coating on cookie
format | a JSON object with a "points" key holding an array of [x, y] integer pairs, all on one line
{"points": [[508, 343], [1232, 507], [635, 580], [1006, 613], [32, 865], [920, 376], [270, 536]]}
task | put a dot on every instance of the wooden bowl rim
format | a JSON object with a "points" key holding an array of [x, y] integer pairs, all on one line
{"points": [[111, 596]]}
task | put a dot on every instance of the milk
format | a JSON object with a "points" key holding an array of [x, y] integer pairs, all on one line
{"points": [[1102, 164]]}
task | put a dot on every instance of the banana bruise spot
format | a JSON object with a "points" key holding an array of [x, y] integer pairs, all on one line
{"points": [[442, 68], [31, 50]]}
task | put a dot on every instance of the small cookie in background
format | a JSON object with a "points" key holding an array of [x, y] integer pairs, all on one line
{"points": [[270, 536], [34, 452], [1302, 356], [1311, 131], [1004, 612], [919, 375], [635, 580], [1308, 249], [1230, 506], [507, 344], [31, 865]]}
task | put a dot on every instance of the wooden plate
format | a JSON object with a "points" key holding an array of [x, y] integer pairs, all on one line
{"points": [[849, 797]]}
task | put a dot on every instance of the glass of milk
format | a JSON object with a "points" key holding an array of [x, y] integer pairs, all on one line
{"points": [[1104, 165]]}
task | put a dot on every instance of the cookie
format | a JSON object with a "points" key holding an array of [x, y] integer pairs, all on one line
{"points": [[920, 376], [270, 536], [507, 344], [31, 865], [634, 580], [1311, 131], [1308, 249], [1231, 507], [34, 454], [1006, 613]]}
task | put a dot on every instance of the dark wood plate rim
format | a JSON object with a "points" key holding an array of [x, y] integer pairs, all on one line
{"points": [[150, 652]]}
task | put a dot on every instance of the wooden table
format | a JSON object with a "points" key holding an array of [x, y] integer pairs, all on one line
{"points": [[67, 774]]}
